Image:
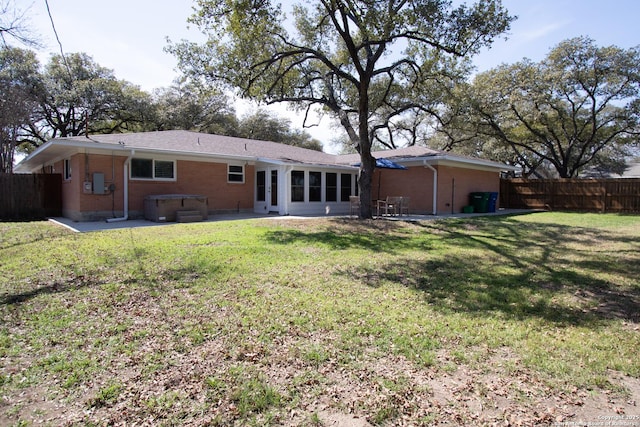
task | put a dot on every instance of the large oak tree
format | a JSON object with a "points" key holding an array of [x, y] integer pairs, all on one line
{"points": [[19, 77], [366, 62], [578, 108], [77, 97], [190, 106]]}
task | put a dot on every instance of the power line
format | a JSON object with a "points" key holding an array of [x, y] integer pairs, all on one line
{"points": [[55, 32]]}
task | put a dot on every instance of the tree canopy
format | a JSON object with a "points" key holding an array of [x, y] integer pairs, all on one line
{"points": [[366, 62], [577, 108], [18, 80], [77, 96], [266, 126], [73, 96], [190, 106]]}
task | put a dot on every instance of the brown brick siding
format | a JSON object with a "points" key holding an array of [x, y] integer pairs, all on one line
{"points": [[417, 183], [203, 178], [210, 179]]}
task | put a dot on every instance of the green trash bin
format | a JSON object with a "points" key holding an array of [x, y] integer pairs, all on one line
{"points": [[480, 202]]}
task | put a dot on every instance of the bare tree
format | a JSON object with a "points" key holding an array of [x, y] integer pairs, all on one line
{"points": [[14, 25]]}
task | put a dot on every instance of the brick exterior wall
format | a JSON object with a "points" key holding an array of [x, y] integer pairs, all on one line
{"points": [[454, 186], [203, 178], [210, 179]]}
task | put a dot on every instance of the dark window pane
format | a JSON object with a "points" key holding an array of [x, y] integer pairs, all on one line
{"points": [[315, 186], [297, 186], [332, 187], [261, 185], [345, 187], [142, 168], [236, 173], [163, 169]]}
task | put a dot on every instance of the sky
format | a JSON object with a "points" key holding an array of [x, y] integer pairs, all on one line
{"points": [[129, 36]]}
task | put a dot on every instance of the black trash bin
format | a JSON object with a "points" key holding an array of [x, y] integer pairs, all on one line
{"points": [[479, 201]]}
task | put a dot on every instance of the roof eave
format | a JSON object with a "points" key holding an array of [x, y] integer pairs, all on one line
{"points": [[33, 162], [289, 162], [447, 160]]}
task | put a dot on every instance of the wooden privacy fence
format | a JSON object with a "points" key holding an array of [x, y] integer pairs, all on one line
{"points": [[587, 195], [27, 197]]}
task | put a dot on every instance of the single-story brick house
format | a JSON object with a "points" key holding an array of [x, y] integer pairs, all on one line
{"points": [[111, 176]]}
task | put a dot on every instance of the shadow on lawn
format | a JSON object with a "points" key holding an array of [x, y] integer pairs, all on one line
{"points": [[371, 235], [58, 286], [554, 272], [465, 284], [179, 277]]}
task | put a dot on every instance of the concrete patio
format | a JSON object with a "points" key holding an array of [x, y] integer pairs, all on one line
{"points": [[88, 226]]}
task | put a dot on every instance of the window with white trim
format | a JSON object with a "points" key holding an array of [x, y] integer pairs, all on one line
{"points": [[345, 187], [235, 173], [315, 186], [297, 186], [331, 188], [163, 170]]}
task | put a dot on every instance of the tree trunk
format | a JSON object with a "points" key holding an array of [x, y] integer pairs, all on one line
{"points": [[365, 175], [367, 162]]}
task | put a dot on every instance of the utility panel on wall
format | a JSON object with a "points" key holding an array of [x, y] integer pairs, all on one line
{"points": [[98, 183]]}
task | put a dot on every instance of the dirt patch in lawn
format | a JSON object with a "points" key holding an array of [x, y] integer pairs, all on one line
{"points": [[201, 388]]}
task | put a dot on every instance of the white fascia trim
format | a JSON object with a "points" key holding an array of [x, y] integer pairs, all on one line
{"points": [[469, 163], [97, 147], [45, 147], [88, 145], [293, 163], [194, 156]]}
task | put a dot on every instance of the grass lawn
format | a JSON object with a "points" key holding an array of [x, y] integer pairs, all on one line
{"points": [[522, 320]]}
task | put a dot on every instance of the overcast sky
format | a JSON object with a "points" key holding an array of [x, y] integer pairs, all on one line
{"points": [[128, 36]]}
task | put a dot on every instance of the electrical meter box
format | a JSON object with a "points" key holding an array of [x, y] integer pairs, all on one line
{"points": [[98, 183]]}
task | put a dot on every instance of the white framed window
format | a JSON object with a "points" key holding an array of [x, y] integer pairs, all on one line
{"points": [[315, 186], [235, 174], [297, 186], [162, 170], [346, 188], [67, 169], [331, 187]]}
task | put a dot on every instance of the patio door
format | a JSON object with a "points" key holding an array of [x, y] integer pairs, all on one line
{"points": [[267, 194], [273, 190]]}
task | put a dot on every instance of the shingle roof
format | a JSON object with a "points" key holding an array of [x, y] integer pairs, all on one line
{"points": [[399, 153], [186, 142]]}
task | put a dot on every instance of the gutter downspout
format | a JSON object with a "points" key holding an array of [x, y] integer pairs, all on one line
{"points": [[435, 187], [126, 190]]}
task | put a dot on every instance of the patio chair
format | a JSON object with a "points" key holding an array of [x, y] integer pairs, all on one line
{"points": [[389, 205], [354, 205], [405, 202]]}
